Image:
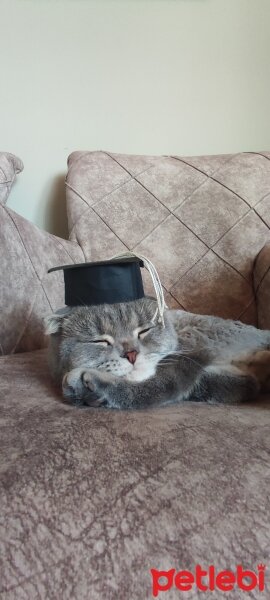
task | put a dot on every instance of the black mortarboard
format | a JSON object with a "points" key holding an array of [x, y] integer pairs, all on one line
{"points": [[103, 282]]}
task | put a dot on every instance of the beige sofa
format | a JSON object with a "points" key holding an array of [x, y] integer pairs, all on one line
{"points": [[92, 500]]}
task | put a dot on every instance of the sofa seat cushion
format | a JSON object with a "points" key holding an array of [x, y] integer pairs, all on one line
{"points": [[92, 499]]}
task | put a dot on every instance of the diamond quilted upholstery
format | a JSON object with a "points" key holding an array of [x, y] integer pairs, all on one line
{"points": [[91, 499], [201, 220], [27, 292]]}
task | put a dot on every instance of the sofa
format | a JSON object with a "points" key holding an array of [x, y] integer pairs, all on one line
{"points": [[93, 499]]}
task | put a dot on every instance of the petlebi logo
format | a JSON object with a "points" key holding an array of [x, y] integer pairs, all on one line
{"points": [[208, 579]]}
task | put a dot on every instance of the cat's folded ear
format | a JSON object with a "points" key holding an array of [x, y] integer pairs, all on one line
{"points": [[53, 323]]}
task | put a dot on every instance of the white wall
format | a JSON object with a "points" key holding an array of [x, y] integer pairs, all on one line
{"points": [[137, 76]]}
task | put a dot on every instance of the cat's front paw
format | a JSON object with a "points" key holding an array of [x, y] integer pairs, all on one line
{"points": [[77, 389], [72, 386], [96, 381], [101, 385]]}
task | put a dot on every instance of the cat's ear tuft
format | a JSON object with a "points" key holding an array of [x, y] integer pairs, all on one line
{"points": [[53, 323]]}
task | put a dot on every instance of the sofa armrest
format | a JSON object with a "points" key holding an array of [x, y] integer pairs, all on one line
{"points": [[27, 291], [10, 165], [261, 279]]}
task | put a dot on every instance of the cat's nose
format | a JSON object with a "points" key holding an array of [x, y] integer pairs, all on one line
{"points": [[131, 356]]}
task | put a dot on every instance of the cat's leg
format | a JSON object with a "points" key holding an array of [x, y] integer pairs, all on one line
{"points": [[121, 393], [170, 383], [181, 382], [225, 387]]}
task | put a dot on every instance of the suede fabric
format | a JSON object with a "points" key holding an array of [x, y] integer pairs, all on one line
{"points": [[201, 220], [262, 286], [27, 292], [92, 499], [10, 166]]}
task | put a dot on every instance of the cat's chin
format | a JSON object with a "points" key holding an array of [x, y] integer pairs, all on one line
{"points": [[141, 372]]}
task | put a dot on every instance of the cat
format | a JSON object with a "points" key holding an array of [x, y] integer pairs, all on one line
{"points": [[114, 355]]}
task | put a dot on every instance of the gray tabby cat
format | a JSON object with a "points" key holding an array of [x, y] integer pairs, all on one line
{"points": [[115, 356]]}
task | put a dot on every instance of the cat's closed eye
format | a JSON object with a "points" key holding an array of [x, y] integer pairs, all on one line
{"points": [[102, 341], [142, 333]]}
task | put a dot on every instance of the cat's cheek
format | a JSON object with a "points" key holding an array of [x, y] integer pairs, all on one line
{"points": [[119, 368], [122, 370]]}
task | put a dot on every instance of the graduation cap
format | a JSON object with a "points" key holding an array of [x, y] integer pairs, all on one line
{"points": [[103, 282]]}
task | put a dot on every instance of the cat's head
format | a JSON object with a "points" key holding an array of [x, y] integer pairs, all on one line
{"points": [[120, 338]]}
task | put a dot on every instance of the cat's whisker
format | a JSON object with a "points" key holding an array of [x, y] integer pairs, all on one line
{"points": [[188, 349], [172, 361], [174, 355]]}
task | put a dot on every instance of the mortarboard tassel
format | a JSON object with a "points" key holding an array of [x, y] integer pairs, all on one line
{"points": [[155, 280]]}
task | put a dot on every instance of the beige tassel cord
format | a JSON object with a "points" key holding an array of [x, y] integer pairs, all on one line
{"points": [[161, 305]]}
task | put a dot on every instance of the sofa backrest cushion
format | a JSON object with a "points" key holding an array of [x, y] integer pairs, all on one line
{"points": [[201, 220]]}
